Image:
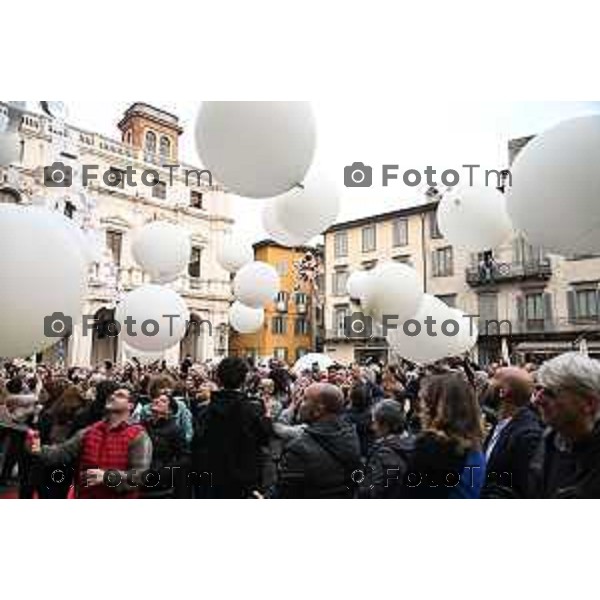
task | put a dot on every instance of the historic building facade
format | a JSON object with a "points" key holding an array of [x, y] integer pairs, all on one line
{"points": [[292, 325], [117, 205], [530, 305]]}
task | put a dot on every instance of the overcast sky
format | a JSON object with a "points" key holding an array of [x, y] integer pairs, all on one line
{"points": [[413, 135]]}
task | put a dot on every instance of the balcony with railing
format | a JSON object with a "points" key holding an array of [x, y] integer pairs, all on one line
{"points": [[578, 327], [498, 273]]}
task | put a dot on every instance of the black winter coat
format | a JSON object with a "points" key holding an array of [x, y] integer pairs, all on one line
{"points": [[320, 463]]}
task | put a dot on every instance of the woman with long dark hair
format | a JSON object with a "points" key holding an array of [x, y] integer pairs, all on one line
{"points": [[448, 461]]}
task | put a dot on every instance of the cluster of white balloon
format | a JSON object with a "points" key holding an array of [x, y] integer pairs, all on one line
{"points": [[393, 296], [265, 150], [162, 250]]}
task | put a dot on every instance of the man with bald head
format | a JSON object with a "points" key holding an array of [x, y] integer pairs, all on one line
{"points": [[512, 443], [319, 463]]}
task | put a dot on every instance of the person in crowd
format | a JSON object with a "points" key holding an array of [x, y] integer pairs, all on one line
{"points": [[321, 461], [359, 414], [567, 463], [164, 383], [389, 456], [511, 444], [169, 449], [111, 456], [230, 435], [448, 461]]}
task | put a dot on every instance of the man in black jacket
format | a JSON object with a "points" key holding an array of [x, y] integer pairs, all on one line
{"points": [[512, 443], [567, 464], [228, 437], [321, 461]]}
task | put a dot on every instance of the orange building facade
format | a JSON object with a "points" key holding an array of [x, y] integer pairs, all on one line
{"points": [[289, 329]]}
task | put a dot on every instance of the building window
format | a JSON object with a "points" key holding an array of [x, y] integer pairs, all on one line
{"points": [[302, 326], [434, 230], [116, 178], [583, 305], [196, 199], [282, 301], [195, 266], [282, 268], [400, 232], [160, 190], [340, 279], [279, 325], [281, 354], [341, 244], [128, 138], [369, 238], [114, 242], [443, 262], [165, 147], [301, 299], [524, 253], [534, 311], [448, 300], [150, 144], [340, 321]]}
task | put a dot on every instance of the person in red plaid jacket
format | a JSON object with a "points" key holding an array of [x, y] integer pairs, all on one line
{"points": [[111, 456]]}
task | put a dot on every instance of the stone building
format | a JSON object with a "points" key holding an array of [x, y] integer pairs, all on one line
{"points": [[530, 305], [118, 205], [292, 325]]}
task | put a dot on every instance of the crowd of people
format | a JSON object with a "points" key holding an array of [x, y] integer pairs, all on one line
{"points": [[237, 430]]}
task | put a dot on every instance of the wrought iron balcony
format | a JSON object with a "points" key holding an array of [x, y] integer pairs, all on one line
{"points": [[499, 273]]}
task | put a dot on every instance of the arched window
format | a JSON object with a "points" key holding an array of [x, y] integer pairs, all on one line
{"points": [[165, 147], [151, 142]]}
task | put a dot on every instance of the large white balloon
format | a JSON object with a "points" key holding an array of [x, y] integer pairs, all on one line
{"points": [[163, 250], [40, 276], [256, 284], [466, 335], [153, 303], [413, 340], [10, 148], [555, 192], [274, 229], [357, 284], [393, 289], [82, 242], [474, 218], [257, 149], [233, 253], [307, 212], [245, 319]]}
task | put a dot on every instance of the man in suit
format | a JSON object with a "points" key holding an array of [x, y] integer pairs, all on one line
{"points": [[514, 440]]}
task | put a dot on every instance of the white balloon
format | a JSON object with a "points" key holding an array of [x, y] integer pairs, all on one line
{"points": [[257, 149], [422, 348], [10, 148], [256, 284], [393, 289], [307, 212], [157, 303], [274, 229], [163, 250], [466, 336], [555, 192], [81, 242], [233, 253], [245, 319], [474, 218], [40, 276], [357, 284]]}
